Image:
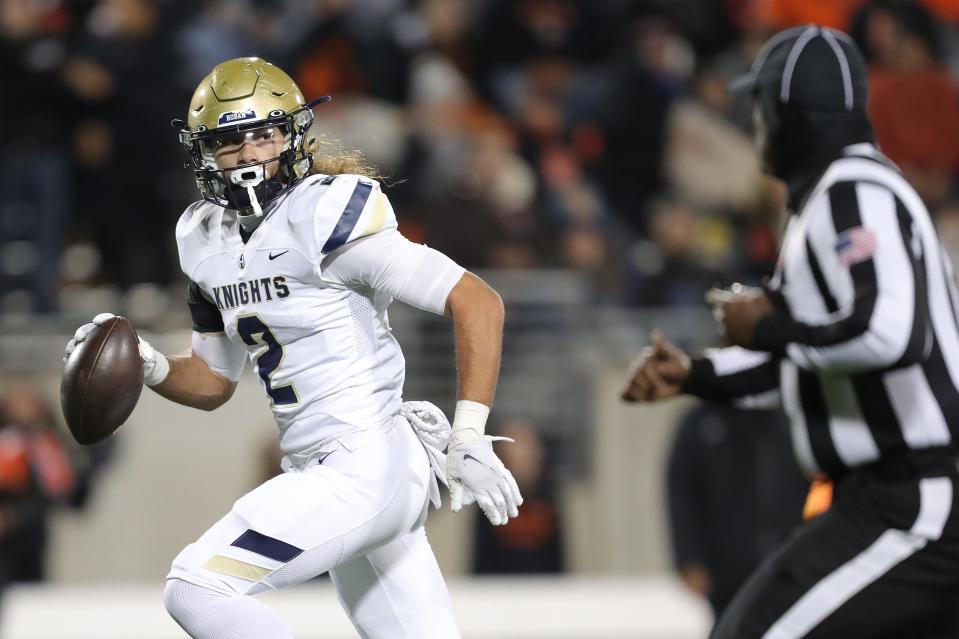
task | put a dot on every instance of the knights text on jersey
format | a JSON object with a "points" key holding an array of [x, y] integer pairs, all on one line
{"points": [[323, 352]]}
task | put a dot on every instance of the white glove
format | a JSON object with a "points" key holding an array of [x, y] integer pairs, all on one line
{"points": [[475, 473], [155, 365]]}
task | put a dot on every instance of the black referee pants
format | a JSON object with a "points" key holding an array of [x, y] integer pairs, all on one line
{"points": [[883, 562]]}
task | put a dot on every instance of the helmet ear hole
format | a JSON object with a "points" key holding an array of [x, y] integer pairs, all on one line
{"points": [[312, 144]]}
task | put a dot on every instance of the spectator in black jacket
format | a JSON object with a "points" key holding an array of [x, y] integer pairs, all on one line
{"points": [[532, 542], [734, 494]]}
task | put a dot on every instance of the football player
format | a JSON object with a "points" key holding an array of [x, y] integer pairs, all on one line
{"points": [[293, 259]]}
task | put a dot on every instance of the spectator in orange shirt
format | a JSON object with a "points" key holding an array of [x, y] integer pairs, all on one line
{"points": [[946, 10], [781, 14], [35, 473], [913, 102]]}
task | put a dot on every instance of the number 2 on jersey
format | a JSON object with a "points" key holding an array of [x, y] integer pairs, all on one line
{"points": [[255, 333]]}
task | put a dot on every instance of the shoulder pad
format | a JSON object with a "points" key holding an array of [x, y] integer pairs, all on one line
{"points": [[196, 216], [198, 226], [348, 207]]}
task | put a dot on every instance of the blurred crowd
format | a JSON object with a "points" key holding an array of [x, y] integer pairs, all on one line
{"points": [[514, 134], [39, 471]]}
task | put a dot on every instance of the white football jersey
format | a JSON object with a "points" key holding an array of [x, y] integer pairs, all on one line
{"points": [[322, 349]]}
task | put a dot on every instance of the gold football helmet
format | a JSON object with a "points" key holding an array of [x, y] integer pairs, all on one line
{"points": [[241, 101]]}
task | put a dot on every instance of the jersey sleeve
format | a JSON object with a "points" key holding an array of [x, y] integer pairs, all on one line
{"points": [[223, 356], [387, 261], [866, 256], [194, 231], [748, 379], [352, 207], [206, 316]]}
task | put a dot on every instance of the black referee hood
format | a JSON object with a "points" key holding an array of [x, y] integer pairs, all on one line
{"points": [[811, 86]]}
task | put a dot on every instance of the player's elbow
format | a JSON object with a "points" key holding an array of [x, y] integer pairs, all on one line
{"points": [[893, 335], [495, 309], [895, 348], [219, 392], [893, 341], [490, 305], [475, 298]]}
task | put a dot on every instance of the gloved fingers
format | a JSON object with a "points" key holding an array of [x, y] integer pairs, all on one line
{"points": [[500, 503], [83, 331], [102, 317], [456, 495], [468, 497], [513, 490], [70, 347], [147, 353], [511, 507], [497, 438], [488, 506]]}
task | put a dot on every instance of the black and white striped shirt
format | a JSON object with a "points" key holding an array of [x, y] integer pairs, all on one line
{"points": [[863, 351]]}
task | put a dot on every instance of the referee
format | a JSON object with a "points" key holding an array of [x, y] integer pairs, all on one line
{"points": [[856, 337]]}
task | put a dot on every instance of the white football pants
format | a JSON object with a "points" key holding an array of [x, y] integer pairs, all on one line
{"points": [[358, 513]]}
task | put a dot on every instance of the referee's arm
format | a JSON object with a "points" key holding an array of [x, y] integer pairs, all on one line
{"points": [[746, 378], [867, 271]]}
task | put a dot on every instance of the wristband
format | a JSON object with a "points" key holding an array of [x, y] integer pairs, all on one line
{"points": [[156, 370], [469, 416]]}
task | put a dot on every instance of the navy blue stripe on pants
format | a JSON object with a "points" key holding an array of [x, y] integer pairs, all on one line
{"points": [[267, 546]]}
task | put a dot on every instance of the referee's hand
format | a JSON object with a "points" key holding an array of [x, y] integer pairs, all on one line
{"points": [[658, 372], [737, 311]]}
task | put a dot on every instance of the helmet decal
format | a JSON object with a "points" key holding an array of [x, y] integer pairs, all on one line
{"points": [[229, 117]]}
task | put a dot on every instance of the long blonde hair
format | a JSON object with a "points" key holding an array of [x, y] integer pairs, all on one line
{"points": [[330, 158]]}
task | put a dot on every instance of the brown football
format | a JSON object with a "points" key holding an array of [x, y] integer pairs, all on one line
{"points": [[102, 380]]}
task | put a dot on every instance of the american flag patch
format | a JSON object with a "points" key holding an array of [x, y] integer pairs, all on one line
{"points": [[855, 245]]}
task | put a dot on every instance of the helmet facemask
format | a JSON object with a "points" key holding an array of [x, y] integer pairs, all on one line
{"points": [[252, 186]]}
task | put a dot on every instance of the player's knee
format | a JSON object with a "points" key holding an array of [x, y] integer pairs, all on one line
{"points": [[176, 599], [186, 602], [207, 614]]}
